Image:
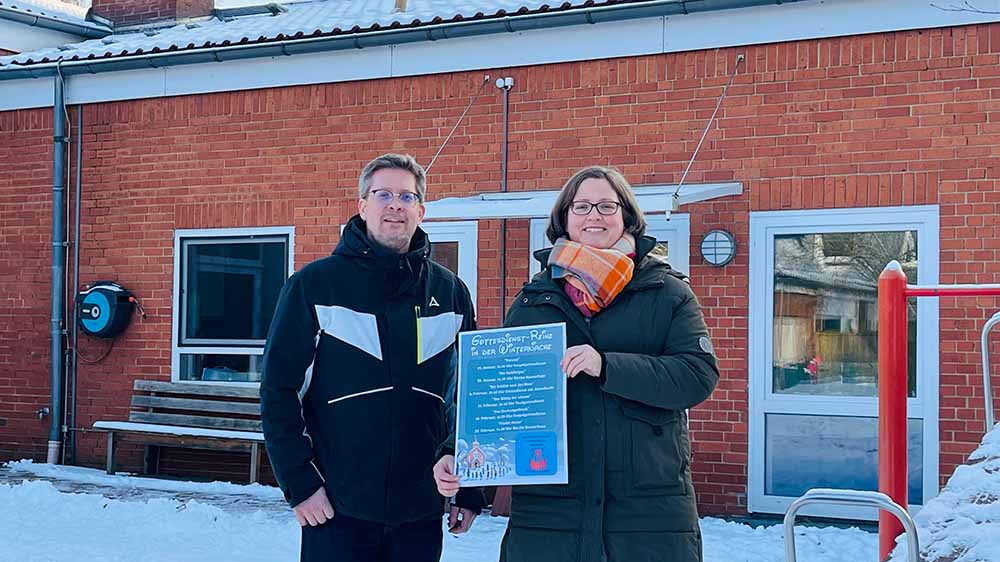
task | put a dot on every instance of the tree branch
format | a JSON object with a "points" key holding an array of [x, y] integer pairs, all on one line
{"points": [[965, 7]]}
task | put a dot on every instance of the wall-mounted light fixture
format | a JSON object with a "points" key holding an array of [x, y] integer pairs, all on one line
{"points": [[718, 247]]}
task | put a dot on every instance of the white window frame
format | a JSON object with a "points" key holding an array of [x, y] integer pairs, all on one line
{"points": [[176, 349], [466, 233], [762, 400], [676, 231]]}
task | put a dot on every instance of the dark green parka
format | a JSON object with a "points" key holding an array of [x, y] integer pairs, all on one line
{"points": [[629, 494]]}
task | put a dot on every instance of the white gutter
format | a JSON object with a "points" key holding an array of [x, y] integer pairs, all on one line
{"points": [[382, 37], [83, 29]]}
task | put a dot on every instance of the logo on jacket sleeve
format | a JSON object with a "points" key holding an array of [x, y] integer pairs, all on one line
{"points": [[434, 302], [706, 345]]}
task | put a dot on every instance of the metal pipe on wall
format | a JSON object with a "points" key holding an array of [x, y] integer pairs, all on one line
{"points": [[70, 161], [59, 141], [505, 84], [71, 435]]}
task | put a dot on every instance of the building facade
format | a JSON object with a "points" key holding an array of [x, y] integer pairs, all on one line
{"points": [[841, 144]]}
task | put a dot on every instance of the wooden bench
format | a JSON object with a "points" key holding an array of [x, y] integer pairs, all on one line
{"points": [[168, 414]]}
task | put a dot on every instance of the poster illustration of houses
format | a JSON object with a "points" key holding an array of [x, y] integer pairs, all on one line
{"points": [[512, 407]]}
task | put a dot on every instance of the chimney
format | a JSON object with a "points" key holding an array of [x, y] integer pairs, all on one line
{"points": [[128, 13]]}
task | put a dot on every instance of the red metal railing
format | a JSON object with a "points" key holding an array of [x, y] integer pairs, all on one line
{"points": [[892, 378]]}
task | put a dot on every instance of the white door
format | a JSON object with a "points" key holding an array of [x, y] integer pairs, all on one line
{"points": [[813, 352], [455, 245]]}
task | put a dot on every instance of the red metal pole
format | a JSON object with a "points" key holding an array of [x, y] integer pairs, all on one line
{"points": [[892, 377], [953, 291]]}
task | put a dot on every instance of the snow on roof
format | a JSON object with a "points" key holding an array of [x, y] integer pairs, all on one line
{"points": [[70, 13], [293, 21], [963, 521], [50, 13]]}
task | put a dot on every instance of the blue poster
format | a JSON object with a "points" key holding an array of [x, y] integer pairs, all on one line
{"points": [[512, 407]]}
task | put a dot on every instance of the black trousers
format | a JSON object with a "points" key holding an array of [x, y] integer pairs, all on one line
{"points": [[345, 539]]}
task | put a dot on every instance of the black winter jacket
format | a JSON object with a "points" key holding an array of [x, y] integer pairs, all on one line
{"points": [[359, 377], [629, 493]]}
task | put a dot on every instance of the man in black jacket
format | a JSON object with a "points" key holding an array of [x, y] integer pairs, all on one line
{"points": [[357, 396]]}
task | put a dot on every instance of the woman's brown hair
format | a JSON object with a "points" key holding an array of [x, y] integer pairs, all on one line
{"points": [[635, 223]]}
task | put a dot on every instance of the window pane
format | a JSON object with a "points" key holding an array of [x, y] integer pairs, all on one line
{"points": [[235, 368], [803, 452], [825, 324], [662, 248], [231, 289], [446, 254]]}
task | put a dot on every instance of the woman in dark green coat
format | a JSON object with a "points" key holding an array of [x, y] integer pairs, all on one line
{"points": [[638, 354]]}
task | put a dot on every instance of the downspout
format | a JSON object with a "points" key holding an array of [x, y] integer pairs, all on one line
{"points": [[504, 84], [59, 142]]}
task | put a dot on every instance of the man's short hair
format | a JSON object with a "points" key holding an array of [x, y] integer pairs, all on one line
{"points": [[393, 161]]}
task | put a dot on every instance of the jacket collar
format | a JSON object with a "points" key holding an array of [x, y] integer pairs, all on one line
{"points": [[399, 273], [355, 243]]}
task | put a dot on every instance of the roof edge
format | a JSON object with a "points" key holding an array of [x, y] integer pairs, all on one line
{"points": [[429, 31], [85, 29]]}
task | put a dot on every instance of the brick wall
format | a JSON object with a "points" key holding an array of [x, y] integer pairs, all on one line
{"points": [[136, 12], [885, 119], [25, 252]]}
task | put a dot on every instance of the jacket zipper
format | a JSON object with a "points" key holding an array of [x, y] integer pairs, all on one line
{"points": [[572, 315], [420, 356]]}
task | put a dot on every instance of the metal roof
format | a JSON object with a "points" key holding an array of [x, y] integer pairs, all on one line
{"points": [[363, 22], [52, 15]]}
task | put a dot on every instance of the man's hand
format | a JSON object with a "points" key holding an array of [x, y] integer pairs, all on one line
{"points": [[447, 483], [315, 510], [581, 359], [460, 520]]}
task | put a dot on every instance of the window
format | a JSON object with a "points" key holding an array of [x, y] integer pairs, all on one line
{"points": [[825, 337], [226, 287], [454, 244], [446, 254], [814, 352]]}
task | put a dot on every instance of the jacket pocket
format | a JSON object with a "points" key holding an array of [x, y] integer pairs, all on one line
{"points": [[545, 512], [658, 461]]}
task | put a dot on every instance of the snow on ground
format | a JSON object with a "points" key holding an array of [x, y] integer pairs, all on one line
{"points": [[65, 514], [124, 480], [42, 524], [962, 524]]}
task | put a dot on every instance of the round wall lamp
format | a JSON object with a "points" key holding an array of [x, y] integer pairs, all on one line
{"points": [[718, 247]]}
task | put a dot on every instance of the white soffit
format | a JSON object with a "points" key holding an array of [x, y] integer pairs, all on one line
{"points": [[532, 204]]}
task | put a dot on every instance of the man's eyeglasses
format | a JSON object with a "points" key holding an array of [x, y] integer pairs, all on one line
{"points": [[385, 197], [583, 208]]}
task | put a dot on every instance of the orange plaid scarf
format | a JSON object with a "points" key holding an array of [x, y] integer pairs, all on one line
{"points": [[593, 276]]}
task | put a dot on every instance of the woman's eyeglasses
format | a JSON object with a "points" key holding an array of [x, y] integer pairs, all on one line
{"points": [[583, 208], [385, 197]]}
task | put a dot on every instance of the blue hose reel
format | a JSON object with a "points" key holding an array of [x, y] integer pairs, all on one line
{"points": [[105, 309]]}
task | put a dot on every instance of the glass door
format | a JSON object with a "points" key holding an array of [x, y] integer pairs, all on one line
{"points": [[813, 352]]}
